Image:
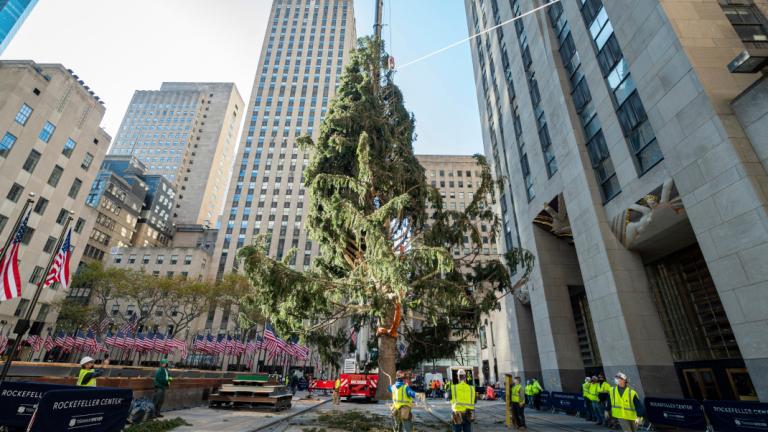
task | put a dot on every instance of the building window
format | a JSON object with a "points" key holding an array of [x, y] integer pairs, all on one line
{"points": [[174, 259], [15, 193], [50, 244], [6, 145], [27, 236], [188, 260], [61, 217], [41, 205], [37, 273], [55, 176], [21, 308], [31, 162], [117, 259], [145, 259], [160, 259], [47, 132], [115, 309], [749, 24], [23, 115], [79, 225], [69, 147], [75, 188], [3, 222], [87, 161], [131, 259]]}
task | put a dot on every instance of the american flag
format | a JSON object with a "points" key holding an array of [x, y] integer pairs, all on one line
{"points": [[272, 343], [129, 326], [36, 342], [49, 343], [60, 268], [3, 344], [9, 266]]}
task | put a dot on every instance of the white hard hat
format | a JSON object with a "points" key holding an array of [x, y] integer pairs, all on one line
{"points": [[86, 360], [621, 375], [461, 372]]}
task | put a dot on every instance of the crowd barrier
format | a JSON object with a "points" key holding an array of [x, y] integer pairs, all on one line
{"points": [[689, 414], [42, 407]]}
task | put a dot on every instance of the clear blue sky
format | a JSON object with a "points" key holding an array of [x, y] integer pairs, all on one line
{"points": [[440, 91], [118, 47]]}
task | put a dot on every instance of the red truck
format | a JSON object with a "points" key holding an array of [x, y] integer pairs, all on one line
{"points": [[358, 385]]}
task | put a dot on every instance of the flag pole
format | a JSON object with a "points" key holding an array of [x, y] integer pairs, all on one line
{"points": [[24, 209], [24, 323]]}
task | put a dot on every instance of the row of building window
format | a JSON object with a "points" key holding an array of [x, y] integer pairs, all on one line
{"points": [[159, 259]]}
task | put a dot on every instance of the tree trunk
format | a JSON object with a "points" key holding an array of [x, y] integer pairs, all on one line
{"points": [[387, 360]]}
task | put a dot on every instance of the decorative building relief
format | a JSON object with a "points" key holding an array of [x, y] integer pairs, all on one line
{"points": [[650, 216]]}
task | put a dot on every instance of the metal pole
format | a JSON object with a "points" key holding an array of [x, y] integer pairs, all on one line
{"points": [[376, 73], [8, 240], [28, 314]]}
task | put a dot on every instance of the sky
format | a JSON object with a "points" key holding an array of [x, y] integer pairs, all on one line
{"points": [[118, 47]]}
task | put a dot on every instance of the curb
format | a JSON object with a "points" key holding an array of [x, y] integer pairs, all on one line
{"points": [[279, 420]]}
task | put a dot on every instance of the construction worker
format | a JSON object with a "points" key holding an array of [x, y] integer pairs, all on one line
{"points": [[528, 392], [603, 397], [516, 400], [462, 404], [447, 388], [86, 377], [597, 412], [537, 389], [402, 403], [587, 400], [626, 406], [161, 383], [337, 392]]}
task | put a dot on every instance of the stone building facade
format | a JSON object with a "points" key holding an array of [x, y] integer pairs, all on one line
{"points": [[639, 188], [51, 144], [186, 132]]}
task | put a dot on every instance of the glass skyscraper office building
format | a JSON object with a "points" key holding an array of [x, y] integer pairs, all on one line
{"points": [[12, 15]]}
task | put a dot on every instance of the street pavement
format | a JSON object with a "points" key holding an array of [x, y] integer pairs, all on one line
{"points": [[304, 414]]}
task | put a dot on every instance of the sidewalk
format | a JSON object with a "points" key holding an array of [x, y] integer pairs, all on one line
{"points": [[204, 419]]}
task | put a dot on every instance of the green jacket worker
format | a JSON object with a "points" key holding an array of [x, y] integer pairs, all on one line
{"points": [[161, 383], [87, 375]]}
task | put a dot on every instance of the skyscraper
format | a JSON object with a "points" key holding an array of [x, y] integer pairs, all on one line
{"points": [[187, 133], [12, 15], [636, 174], [305, 48]]}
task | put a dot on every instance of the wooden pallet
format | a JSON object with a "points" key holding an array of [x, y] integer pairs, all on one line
{"points": [[251, 391]]}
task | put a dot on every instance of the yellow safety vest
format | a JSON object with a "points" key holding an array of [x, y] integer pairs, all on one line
{"points": [[338, 384], [81, 377], [592, 392], [585, 389], [529, 390], [515, 393], [462, 397], [604, 388], [400, 397], [536, 387], [623, 406]]}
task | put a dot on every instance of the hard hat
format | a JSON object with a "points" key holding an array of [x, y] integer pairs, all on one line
{"points": [[400, 374], [621, 375], [85, 360], [461, 372], [587, 379]]}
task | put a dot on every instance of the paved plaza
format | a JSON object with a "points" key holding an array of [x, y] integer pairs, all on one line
{"points": [[308, 415]]}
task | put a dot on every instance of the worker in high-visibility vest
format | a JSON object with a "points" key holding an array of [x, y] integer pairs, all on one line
{"points": [[537, 389], [447, 388], [597, 413], [337, 392], [529, 392], [86, 377], [516, 400], [587, 400], [402, 403], [603, 397], [462, 404], [626, 406]]}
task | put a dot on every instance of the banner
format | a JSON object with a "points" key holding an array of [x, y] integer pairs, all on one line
{"points": [[18, 401], [737, 416], [97, 409], [546, 403], [567, 401], [684, 413]]}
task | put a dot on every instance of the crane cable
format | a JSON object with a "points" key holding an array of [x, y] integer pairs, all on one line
{"points": [[455, 44]]}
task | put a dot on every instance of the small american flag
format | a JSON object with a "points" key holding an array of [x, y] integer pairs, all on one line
{"points": [[60, 268], [3, 344], [10, 278], [129, 326], [49, 343]]}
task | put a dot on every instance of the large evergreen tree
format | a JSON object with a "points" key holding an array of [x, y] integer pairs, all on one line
{"points": [[385, 238]]}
